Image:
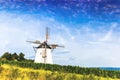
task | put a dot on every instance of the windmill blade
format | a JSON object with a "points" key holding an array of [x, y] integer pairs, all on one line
{"points": [[35, 42], [31, 57], [53, 46], [60, 46], [34, 49], [47, 34]]}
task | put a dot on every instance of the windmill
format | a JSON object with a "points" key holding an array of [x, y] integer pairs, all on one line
{"points": [[43, 51]]}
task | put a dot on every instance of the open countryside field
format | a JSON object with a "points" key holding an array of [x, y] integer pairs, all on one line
{"points": [[9, 72]]}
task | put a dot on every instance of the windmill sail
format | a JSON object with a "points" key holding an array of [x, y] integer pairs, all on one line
{"points": [[47, 34]]}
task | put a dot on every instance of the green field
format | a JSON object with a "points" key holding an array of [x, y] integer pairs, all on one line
{"points": [[14, 70]]}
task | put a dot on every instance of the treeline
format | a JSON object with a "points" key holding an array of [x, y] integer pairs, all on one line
{"points": [[65, 69], [14, 57]]}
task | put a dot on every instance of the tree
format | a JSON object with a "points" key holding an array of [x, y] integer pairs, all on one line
{"points": [[7, 56], [15, 56], [21, 57]]}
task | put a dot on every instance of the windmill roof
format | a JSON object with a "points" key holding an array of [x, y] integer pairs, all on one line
{"points": [[43, 45]]}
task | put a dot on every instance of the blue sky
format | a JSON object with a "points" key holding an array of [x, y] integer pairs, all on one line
{"points": [[89, 29]]}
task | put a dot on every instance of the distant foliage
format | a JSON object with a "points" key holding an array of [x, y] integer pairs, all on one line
{"points": [[14, 57]]}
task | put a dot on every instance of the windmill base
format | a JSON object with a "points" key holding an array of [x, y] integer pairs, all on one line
{"points": [[40, 59]]}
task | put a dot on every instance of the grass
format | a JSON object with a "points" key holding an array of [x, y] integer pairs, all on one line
{"points": [[8, 72]]}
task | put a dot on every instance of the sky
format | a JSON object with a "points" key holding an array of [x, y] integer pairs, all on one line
{"points": [[89, 29]]}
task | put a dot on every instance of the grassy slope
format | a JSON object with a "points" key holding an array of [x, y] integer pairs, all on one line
{"points": [[8, 72]]}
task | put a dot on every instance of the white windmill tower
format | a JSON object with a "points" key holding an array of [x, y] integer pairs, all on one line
{"points": [[43, 51]]}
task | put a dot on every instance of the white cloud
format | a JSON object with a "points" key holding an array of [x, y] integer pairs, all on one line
{"points": [[15, 30], [108, 35], [86, 46]]}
